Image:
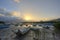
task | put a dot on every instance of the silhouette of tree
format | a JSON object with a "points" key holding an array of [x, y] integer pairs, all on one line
{"points": [[1, 22]]}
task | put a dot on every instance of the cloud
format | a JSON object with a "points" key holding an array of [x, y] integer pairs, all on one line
{"points": [[1, 15], [15, 14], [17, 1], [4, 12], [2, 9]]}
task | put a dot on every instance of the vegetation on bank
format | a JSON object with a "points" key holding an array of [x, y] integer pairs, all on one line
{"points": [[57, 25]]}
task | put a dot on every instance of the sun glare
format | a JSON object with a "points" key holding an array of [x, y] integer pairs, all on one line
{"points": [[30, 17], [27, 18]]}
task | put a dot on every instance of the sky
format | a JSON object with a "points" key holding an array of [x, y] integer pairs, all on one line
{"points": [[35, 10]]}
